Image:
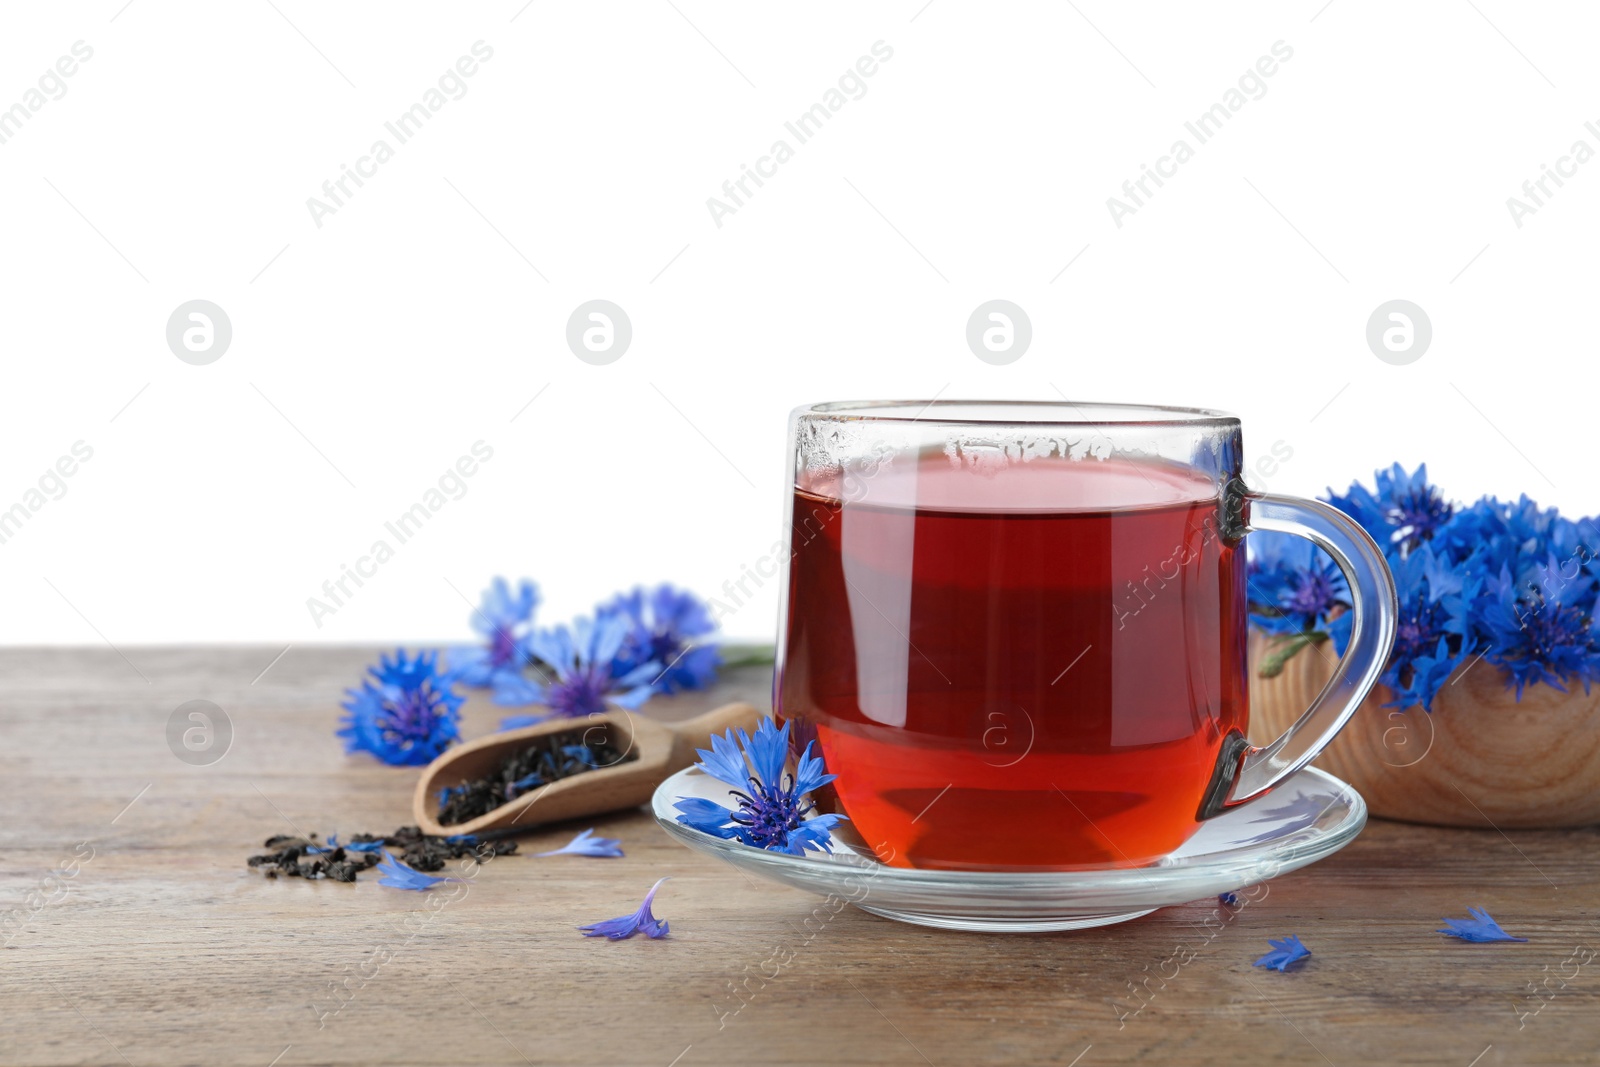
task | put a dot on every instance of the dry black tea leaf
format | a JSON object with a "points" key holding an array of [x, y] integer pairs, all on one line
{"points": [[547, 759]]}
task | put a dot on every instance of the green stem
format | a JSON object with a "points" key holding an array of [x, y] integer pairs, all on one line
{"points": [[735, 655], [1286, 647]]}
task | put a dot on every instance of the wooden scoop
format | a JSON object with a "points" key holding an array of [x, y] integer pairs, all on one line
{"points": [[653, 751]]}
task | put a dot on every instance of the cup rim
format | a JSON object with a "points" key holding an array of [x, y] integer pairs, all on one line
{"points": [[1015, 412]]}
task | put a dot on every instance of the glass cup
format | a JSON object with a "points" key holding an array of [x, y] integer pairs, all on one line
{"points": [[1017, 630]]}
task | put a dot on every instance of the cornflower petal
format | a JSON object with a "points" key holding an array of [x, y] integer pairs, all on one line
{"points": [[400, 876], [1284, 954], [587, 844], [1481, 927], [625, 926]]}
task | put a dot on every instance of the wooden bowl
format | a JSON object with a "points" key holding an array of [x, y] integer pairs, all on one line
{"points": [[1481, 758]]}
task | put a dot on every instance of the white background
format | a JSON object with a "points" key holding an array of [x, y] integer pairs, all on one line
{"points": [[415, 321]]}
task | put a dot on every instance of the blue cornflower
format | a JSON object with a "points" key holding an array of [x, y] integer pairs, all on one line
{"points": [[1481, 927], [1512, 582], [399, 876], [1284, 953], [583, 660], [772, 814], [1527, 524], [1404, 512], [406, 713], [1577, 545], [505, 621], [1545, 638], [586, 844], [1296, 588], [1478, 533], [627, 925], [662, 625], [1417, 681], [1414, 508], [1431, 633]]}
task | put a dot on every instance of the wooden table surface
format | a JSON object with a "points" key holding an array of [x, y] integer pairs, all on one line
{"points": [[134, 933]]}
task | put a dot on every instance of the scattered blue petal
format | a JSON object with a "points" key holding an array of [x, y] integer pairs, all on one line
{"points": [[1481, 927], [771, 806], [1284, 953], [462, 839], [517, 722], [1228, 900], [406, 713], [400, 876], [354, 846], [586, 844], [627, 925]]}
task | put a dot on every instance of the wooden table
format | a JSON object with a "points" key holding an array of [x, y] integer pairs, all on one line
{"points": [[154, 944]]}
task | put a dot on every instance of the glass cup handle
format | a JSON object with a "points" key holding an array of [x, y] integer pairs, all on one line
{"points": [[1245, 771]]}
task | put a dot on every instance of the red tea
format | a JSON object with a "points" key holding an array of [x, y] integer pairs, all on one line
{"points": [[1030, 666]]}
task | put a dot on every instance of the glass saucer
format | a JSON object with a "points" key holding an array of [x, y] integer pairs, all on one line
{"points": [[1310, 815]]}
